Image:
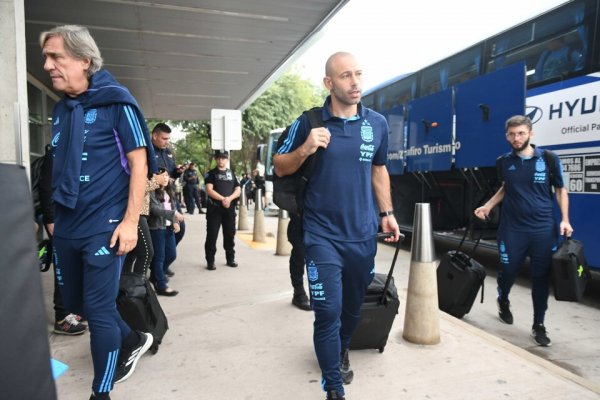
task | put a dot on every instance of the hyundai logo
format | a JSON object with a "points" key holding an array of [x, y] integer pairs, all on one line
{"points": [[534, 113]]}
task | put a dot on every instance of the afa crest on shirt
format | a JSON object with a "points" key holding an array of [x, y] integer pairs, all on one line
{"points": [[313, 272], [366, 132], [540, 165], [90, 116]]}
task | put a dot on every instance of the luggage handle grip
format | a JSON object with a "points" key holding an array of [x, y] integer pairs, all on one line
{"points": [[389, 277]]}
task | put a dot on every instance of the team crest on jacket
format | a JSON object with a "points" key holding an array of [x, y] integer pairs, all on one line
{"points": [[540, 171], [540, 165], [366, 132], [90, 116], [313, 272]]}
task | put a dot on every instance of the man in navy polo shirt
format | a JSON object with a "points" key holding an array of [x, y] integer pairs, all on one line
{"points": [[102, 155], [340, 216], [527, 224]]}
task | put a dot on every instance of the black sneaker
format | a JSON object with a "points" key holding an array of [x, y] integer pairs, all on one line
{"points": [[504, 311], [70, 325], [300, 299], [232, 264], [128, 359], [334, 395], [211, 266], [345, 370], [538, 332]]}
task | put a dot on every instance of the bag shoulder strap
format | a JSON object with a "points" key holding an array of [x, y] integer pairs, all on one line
{"points": [[315, 120], [550, 159]]}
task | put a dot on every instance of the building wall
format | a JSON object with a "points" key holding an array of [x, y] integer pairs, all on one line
{"points": [[14, 135]]}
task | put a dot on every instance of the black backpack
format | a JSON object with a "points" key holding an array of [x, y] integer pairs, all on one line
{"points": [[288, 191], [35, 176]]}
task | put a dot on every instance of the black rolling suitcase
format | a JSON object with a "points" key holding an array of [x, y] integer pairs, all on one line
{"points": [[139, 307], [459, 278], [378, 311], [570, 272]]}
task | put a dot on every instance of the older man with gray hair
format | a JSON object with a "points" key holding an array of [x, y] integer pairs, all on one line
{"points": [[102, 157]]}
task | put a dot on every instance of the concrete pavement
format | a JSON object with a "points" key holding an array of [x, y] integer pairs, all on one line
{"points": [[234, 335]]}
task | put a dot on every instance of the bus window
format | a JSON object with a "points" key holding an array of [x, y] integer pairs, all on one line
{"points": [[559, 58], [451, 71], [379, 100], [368, 101], [557, 46], [400, 93]]}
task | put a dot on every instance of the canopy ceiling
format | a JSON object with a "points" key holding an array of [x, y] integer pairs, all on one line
{"points": [[181, 58]]}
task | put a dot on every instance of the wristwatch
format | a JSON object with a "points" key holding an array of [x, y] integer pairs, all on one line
{"points": [[386, 213]]}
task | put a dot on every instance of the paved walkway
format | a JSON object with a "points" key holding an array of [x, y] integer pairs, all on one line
{"points": [[234, 335]]}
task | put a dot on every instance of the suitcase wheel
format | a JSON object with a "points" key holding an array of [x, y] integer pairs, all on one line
{"points": [[154, 348], [381, 349]]}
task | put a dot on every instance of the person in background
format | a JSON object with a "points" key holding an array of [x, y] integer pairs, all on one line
{"points": [[102, 158], [190, 190], [161, 137], [557, 61], [163, 222], [65, 323], [340, 230], [258, 183], [294, 234], [527, 224], [246, 185], [223, 190], [138, 260]]}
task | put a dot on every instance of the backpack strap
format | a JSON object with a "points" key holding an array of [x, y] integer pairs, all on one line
{"points": [[550, 160], [315, 120]]}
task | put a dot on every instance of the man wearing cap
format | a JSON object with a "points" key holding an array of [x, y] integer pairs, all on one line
{"points": [[223, 189]]}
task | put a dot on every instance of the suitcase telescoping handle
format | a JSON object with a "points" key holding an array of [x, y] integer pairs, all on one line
{"points": [[384, 235], [463, 240]]}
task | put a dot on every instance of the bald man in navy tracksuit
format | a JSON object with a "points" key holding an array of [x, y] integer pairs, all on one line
{"points": [[340, 216]]}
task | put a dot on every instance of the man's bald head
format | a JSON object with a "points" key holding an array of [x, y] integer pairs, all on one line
{"points": [[331, 61]]}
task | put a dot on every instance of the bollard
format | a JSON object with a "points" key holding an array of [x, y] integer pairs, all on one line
{"points": [[421, 318], [243, 216], [258, 234], [284, 247]]}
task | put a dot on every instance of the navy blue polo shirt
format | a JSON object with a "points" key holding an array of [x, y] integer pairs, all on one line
{"points": [[165, 159], [528, 204], [339, 202], [110, 133]]}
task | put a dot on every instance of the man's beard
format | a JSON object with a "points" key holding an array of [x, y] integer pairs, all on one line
{"points": [[522, 147], [345, 100]]}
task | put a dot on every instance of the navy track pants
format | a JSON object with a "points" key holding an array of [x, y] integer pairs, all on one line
{"points": [[338, 276], [513, 248], [88, 273]]}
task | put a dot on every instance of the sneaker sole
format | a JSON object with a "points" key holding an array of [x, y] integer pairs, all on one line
{"points": [[540, 345], [145, 347], [69, 333]]}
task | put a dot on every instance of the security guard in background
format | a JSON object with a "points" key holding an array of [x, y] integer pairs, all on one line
{"points": [[223, 189]]}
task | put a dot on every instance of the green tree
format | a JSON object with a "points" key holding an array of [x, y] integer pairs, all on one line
{"points": [[277, 107], [196, 144]]}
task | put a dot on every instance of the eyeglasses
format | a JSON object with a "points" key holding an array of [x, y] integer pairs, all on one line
{"points": [[516, 134]]}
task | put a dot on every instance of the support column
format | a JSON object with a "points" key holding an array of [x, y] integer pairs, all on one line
{"points": [[14, 140]]}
